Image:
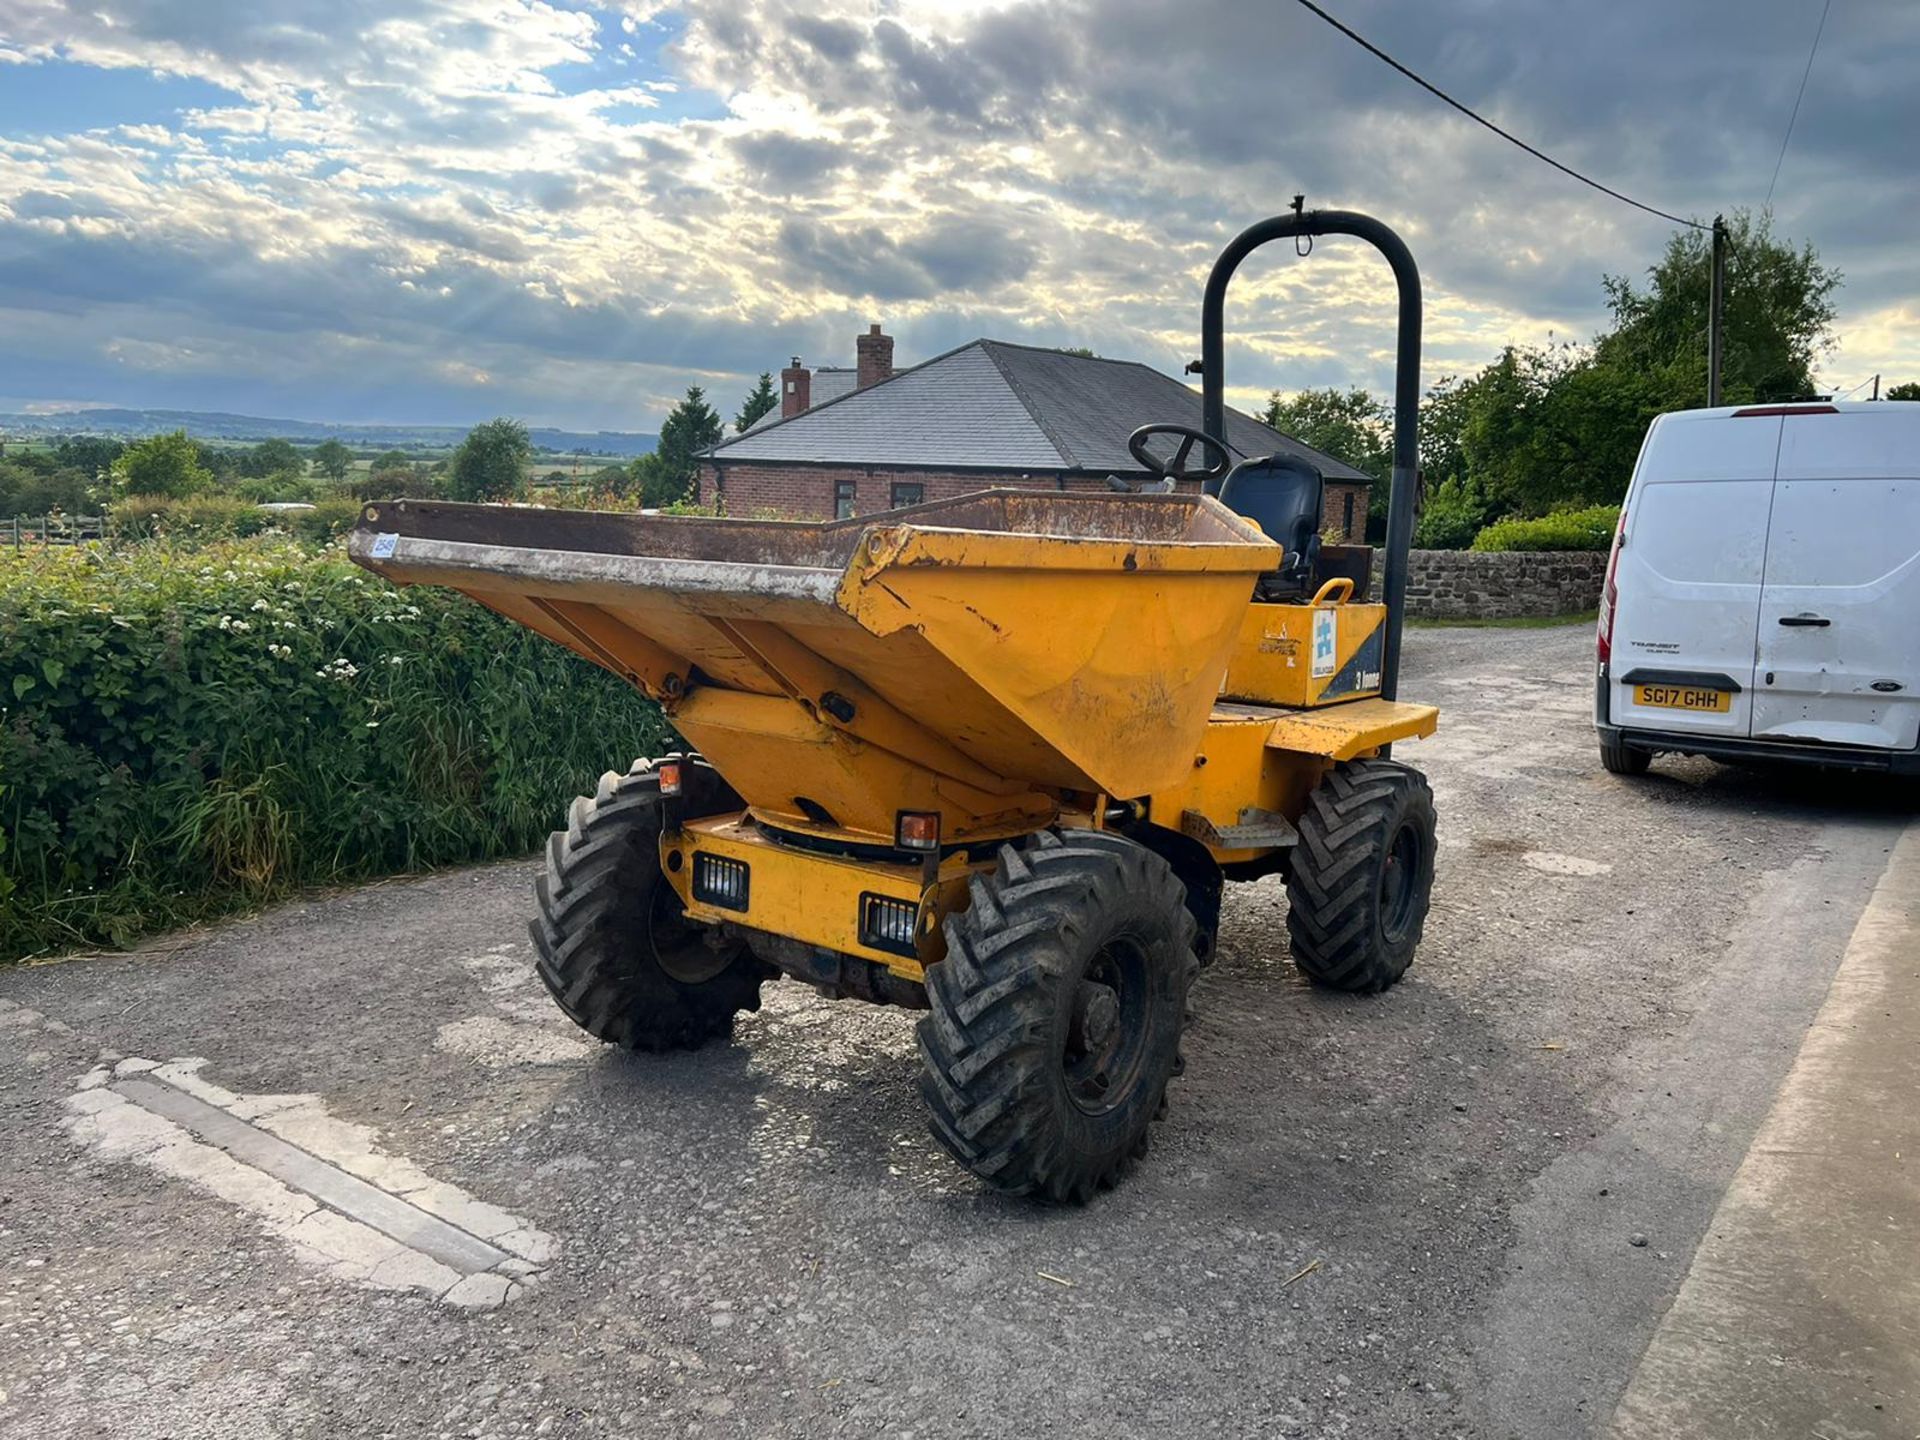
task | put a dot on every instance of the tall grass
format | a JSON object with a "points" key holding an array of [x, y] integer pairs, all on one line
{"points": [[185, 732]]}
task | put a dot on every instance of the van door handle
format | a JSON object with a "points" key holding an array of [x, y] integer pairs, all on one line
{"points": [[1813, 620]]}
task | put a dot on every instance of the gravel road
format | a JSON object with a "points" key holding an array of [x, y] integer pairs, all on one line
{"points": [[1411, 1215]]}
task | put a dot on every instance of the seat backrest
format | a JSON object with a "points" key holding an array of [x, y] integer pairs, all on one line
{"points": [[1285, 497]]}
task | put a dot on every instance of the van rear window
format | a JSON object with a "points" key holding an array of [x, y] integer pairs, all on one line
{"points": [[1707, 532]]}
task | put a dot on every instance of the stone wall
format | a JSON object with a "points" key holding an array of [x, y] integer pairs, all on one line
{"points": [[1500, 585]]}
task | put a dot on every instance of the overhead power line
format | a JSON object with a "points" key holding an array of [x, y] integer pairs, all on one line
{"points": [[1506, 135], [1812, 50]]}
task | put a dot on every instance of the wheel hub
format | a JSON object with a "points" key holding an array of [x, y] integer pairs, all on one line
{"points": [[1099, 1015]]}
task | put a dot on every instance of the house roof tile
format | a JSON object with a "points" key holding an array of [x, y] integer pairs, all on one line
{"points": [[990, 404]]}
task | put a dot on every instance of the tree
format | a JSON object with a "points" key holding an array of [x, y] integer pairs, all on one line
{"points": [[668, 473], [1549, 427], [94, 454], [1779, 316], [491, 463], [333, 458], [217, 460], [1909, 391], [759, 401], [272, 457], [161, 465], [1350, 426], [392, 460], [32, 490]]}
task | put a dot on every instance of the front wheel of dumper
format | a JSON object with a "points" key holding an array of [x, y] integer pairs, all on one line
{"points": [[1360, 878], [1054, 1021], [614, 946]]}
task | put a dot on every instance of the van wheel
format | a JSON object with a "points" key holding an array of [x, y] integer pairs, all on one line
{"points": [[1618, 759]]}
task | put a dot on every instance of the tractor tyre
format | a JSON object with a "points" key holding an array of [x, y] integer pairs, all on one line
{"points": [[614, 946], [1617, 759], [1054, 1021], [1361, 877]]}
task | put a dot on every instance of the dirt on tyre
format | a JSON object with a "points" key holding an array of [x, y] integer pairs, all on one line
{"points": [[614, 947], [1359, 881], [1616, 758], [1054, 1021]]}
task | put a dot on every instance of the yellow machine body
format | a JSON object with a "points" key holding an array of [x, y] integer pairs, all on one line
{"points": [[1010, 660], [1326, 651]]}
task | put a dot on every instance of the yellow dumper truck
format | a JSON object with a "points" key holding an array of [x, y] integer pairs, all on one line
{"points": [[991, 757]]}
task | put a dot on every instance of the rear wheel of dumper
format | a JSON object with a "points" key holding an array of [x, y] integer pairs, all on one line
{"points": [[1359, 881], [1054, 1021], [615, 948]]}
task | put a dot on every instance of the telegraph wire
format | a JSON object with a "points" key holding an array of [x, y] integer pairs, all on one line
{"points": [[1812, 50], [1506, 135]]}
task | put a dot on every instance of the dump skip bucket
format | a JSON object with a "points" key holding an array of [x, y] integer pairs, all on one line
{"points": [[995, 643]]}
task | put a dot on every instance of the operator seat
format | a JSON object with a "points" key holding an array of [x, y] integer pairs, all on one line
{"points": [[1285, 497]]}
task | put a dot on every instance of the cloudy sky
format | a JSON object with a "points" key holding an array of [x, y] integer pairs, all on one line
{"points": [[443, 210]]}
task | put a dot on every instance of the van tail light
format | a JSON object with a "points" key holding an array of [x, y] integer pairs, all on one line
{"points": [[1610, 592], [1752, 410]]}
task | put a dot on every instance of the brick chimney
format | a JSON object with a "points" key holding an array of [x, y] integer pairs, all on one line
{"points": [[796, 389], [876, 357]]}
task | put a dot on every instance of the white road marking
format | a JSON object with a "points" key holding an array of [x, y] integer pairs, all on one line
{"points": [[320, 1183], [528, 1028], [1548, 863]]}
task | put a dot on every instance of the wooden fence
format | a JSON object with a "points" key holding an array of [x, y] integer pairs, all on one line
{"points": [[53, 530]]}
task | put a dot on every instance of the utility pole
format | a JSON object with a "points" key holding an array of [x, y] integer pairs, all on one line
{"points": [[1876, 387], [1716, 310]]}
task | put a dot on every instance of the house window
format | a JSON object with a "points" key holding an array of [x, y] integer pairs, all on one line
{"points": [[843, 496], [1346, 527], [905, 493]]}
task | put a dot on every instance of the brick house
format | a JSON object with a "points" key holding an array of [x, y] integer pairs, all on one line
{"points": [[987, 414]]}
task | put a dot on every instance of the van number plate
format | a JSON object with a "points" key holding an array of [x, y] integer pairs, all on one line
{"points": [[1683, 697]]}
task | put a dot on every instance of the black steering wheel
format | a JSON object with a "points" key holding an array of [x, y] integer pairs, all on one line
{"points": [[1176, 468]]}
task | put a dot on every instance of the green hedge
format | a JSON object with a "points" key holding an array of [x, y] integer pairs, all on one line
{"points": [[1589, 529], [198, 519], [186, 732]]}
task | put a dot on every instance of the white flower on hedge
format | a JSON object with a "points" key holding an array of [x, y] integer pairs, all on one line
{"points": [[280, 652], [373, 724], [259, 605], [240, 627], [394, 660]]}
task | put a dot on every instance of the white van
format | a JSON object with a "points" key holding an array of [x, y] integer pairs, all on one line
{"points": [[1763, 595]]}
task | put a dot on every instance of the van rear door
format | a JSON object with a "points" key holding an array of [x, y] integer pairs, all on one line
{"points": [[1689, 573], [1840, 604]]}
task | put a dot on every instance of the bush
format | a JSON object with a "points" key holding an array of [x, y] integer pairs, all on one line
{"points": [[394, 482], [283, 487], [331, 517], [186, 732], [1453, 515], [194, 519], [1588, 529]]}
